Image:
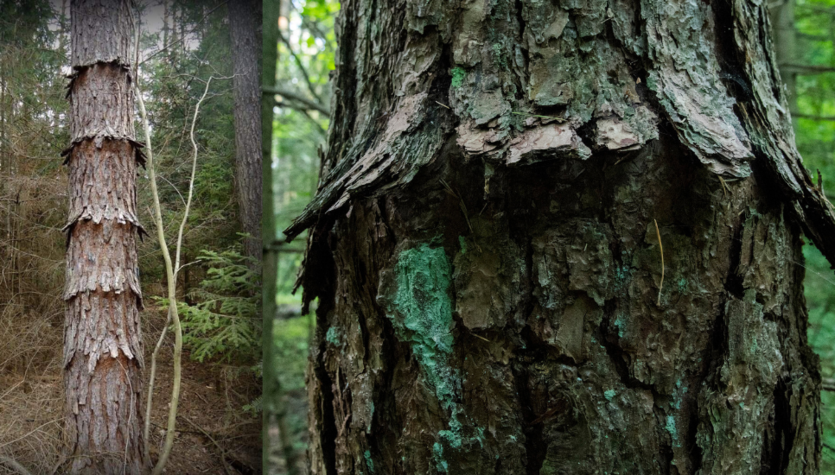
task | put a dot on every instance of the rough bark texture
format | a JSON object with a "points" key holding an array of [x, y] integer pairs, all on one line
{"points": [[485, 254], [103, 352], [245, 28]]}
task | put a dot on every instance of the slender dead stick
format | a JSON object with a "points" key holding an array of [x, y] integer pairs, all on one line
{"points": [[661, 248], [14, 464], [171, 271]]}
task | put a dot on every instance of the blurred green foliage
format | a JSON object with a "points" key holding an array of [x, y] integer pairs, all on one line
{"points": [[815, 29], [306, 56]]}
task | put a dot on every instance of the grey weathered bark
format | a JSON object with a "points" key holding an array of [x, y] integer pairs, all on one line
{"points": [[245, 28], [103, 351], [484, 249]]}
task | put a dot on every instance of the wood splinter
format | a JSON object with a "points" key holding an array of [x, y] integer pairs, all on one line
{"points": [[661, 248]]}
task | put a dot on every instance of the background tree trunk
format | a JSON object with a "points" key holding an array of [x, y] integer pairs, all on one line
{"points": [[487, 237], [103, 351], [785, 39], [245, 27]]}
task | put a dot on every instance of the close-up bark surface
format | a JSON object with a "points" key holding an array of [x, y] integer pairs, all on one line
{"points": [[561, 236], [103, 351]]}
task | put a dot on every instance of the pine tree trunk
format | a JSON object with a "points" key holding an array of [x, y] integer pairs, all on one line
{"points": [[245, 27], [103, 351], [561, 237]]}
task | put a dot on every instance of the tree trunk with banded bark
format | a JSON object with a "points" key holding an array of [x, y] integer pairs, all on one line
{"points": [[103, 351], [561, 236]]}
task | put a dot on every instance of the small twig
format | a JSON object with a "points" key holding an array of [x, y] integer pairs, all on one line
{"points": [[725, 188], [660, 248], [8, 461], [30, 432], [460, 203], [442, 105]]}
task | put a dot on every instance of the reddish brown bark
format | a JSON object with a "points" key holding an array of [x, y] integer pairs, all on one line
{"points": [[102, 340]]}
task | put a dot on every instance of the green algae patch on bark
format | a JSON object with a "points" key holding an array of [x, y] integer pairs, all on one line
{"points": [[419, 304], [423, 300]]}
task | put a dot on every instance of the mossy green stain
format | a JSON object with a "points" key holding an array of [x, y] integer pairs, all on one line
{"points": [[610, 394], [423, 317], [423, 300], [620, 325], [368, 461], [671, 428], [498, 56], [438, 452], [458, 76], [463, 243], [332, 336]]}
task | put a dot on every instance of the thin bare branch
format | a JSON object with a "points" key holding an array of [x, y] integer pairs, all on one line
{"points": [[301, 67], [289, 95]]}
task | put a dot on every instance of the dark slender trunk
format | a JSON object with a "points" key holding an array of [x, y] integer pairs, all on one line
{"points": [[165, 24], [103, 351], [785, 50], [245, 27], [486, 244], [275, 407]]}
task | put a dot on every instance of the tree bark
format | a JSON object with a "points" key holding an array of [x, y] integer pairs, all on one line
{"points": [[245, 27], [103, 351], [561, 237]]}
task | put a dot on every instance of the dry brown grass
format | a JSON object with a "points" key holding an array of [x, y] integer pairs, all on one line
{"points": [[214, 434]]}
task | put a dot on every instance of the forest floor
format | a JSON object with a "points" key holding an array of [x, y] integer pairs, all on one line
{"points": [[215, 434]]}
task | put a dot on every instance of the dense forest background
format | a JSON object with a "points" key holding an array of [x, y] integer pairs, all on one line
{"points": [[306, 49], [183, 43]]}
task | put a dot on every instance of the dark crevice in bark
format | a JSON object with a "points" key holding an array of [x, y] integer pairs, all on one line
{"points": [[783, 436], [318, 262], [384, 418], [328, 433], [733, 76], [616, 354], [587, 133], [534, 350], [520, 91], [695, 452], [665, 453], [535, 446], [717, 350], [733, 281]]}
